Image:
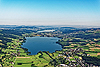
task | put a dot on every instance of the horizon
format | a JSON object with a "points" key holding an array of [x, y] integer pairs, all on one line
{"points": [[50, 12]]}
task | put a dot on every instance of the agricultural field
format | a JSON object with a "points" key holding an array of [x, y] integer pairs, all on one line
{"points": [[81, 47]]}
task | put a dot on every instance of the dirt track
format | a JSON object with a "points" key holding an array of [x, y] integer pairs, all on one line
{"points": [[98, 53]]}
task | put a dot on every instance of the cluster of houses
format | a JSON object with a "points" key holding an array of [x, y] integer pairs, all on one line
{"points": [[69, 54]]}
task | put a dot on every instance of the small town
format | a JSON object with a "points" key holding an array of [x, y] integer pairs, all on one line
{"points": [[81, 48]]}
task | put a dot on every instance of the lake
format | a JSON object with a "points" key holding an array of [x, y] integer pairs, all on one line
{"points": [[36, 44], [45, 31]]}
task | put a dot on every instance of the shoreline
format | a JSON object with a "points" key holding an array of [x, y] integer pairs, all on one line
{"points": [[25, 49]]}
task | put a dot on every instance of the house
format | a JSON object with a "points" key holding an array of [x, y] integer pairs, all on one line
{"points": [[60, 55], [73, 61], [0, 65], [63, 65], [80, 58]]}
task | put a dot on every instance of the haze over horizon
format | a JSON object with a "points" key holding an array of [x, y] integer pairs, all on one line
{"points": [[50, 12]]}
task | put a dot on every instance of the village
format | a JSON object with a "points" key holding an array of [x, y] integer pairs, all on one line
{"points": [[80, 49]]}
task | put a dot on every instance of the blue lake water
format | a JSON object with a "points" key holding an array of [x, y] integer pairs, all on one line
{"points": [[45, 31], [36, 44]]}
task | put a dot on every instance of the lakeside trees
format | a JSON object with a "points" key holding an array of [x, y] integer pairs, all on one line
{"points": [[79, 46]]}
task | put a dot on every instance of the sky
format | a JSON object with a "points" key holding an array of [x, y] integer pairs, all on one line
{"points": [[50, 12]]}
